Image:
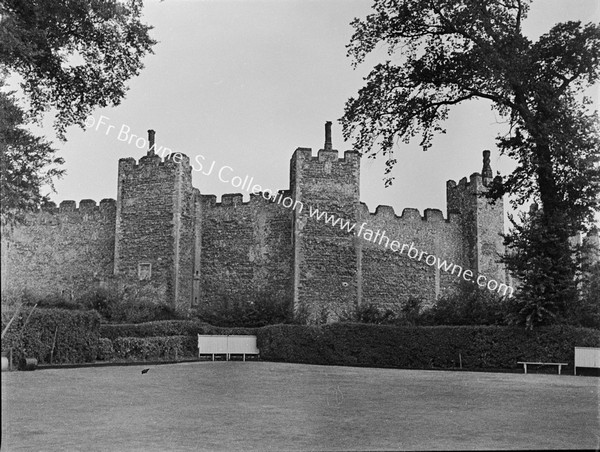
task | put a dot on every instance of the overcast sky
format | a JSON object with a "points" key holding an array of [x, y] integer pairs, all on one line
{"points": [[244, 83]]}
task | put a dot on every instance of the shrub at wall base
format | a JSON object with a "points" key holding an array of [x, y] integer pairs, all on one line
{"points": [[155, 348], [54, 336], [166, 328]]}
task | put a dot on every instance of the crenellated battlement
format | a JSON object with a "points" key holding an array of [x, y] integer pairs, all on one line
{"points": [[408, 214], [170, 161], [325, 155], [86, 206], [474, 184], [237, 199], [151, 159], [232, 199]]}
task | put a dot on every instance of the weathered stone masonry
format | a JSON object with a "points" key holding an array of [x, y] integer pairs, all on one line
{"points": [[162, 240]]}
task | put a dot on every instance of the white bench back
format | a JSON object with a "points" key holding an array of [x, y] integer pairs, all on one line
{"points": [[587, 357], [212, 344], [242, 344]]}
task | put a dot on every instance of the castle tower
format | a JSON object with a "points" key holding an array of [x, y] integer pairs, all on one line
{"points": [[482, 222], [155, 228], [326, 280]]}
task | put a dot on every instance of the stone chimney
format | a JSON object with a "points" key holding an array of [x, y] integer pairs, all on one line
{"points": [[151, 134], [486, 173], [328, 145]]}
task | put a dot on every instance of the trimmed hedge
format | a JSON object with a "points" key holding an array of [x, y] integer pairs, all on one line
{"points": [[154, 348], [76, 334], [440, 347], [166, 328], [106, 352], [81, 338]]}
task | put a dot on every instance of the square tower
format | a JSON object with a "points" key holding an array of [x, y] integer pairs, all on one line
{"points": [[326, 281], [155, 234], [482, 222]]}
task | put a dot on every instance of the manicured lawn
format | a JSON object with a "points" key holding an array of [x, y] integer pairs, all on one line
{"points": [[273, 406]]}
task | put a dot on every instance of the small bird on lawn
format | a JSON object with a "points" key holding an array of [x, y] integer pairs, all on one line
{"points": [[145, 371]]}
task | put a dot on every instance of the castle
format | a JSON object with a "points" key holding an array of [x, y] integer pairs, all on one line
{"points": [[165, 241]]}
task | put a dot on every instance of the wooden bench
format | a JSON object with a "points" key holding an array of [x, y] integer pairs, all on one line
{"points": [[525, 363]]}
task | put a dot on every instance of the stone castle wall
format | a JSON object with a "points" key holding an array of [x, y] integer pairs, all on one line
{"points": [[246, 250], [389, 278], [164, 241], [61, 251]]}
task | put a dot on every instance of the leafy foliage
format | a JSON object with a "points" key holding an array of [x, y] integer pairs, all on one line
{"points": [[54, 335], [439, 347], [165, 328], [587, 312], [469, 305], [73, 55], [107, 302], [154, 348], [372, 314], [113, 306], [28, 164], [549, 290], [140, 311], [105, 349], [449, 52], [409, 314], [253, 310]]}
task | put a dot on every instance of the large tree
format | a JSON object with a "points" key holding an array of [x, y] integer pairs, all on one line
{"points": [[70, 56], [451, 51], [28, 164], [73, 55]]}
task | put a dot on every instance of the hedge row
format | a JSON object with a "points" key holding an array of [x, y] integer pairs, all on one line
{"points": [[149, 348], [53, 336], [442, 347], [166, 328], [81, 338]]}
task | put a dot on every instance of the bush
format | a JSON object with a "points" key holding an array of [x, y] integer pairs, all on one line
{"points": [[439, 347], [13, 299], [54, 302], [54, 335], [141, 312], [252, 310], [372, 314], [106, 351], [468, 305], [166, 328], [585, 311], [101, 300], [409, 314], [155, 348]]}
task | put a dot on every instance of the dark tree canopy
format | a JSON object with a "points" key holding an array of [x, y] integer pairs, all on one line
{"points": [[450, 51], [27, 163], [73, 55]]}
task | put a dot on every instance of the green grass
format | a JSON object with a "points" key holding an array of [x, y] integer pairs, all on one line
{"points": [[274, 406]]}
